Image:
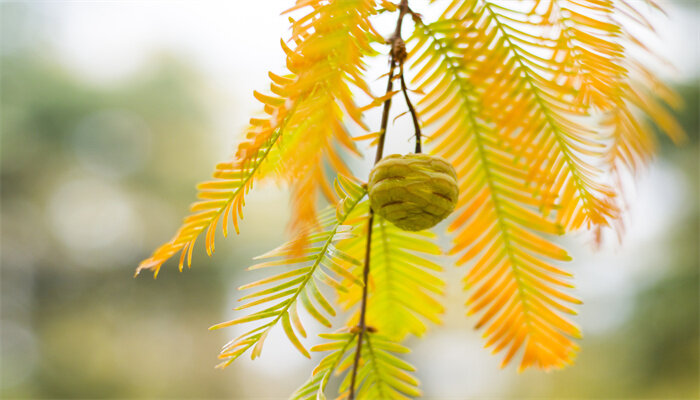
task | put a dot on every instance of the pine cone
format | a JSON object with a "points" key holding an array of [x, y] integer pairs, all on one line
{"points": [[415, 191]]}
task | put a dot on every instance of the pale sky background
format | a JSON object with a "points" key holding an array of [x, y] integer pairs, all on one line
{"points": [[236, 42]]}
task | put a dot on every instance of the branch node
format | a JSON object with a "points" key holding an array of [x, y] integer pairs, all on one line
{"points": [[398, 50]]}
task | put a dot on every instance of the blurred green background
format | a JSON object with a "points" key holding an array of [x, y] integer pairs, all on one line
{"points": [[111, 112]]}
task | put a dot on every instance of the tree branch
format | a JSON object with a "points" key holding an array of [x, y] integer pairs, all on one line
{"points": [[398, 53]]}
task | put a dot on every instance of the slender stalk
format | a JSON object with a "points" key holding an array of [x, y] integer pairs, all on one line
{"points": [[363, 309], [365, 271], [414, 115], [397, 52], [385, 113]]}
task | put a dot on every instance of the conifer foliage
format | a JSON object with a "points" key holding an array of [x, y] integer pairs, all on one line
{"points": [[541, 106]]}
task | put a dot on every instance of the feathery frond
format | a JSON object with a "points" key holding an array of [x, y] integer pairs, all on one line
{"points": [[219, 199], [304, 121], [403, 284], [552, 138], [320, 262], [510, 92], [641, 96], [382, 375], [339, 345], [589, 48], [495, 220], [330, 40]]}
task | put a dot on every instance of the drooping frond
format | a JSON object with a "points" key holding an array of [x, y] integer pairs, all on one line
{"points": [[598, 47], [538, 115], [329, 44], [381, 375], [220, 199], [497, 223], [403, 283], [642, 97], [340, 344], [320, 263], [301, 128], [588, 44], [595, 61]]}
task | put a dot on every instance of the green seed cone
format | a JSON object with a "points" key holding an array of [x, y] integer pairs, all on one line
{"points": [[414, 191]]}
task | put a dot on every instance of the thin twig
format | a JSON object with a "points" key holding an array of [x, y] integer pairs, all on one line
{"points": [[365, 272], [414, 115], [396, 42], [363, 309], [385, 113]]}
